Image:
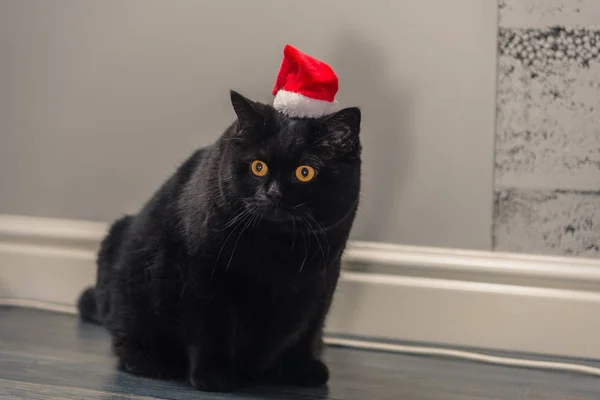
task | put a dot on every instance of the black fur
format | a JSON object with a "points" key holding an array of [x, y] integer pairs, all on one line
{"points": [[87, 306], [224, 276]]}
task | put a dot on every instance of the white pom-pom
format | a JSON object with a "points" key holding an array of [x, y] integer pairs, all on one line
{"points": [[296, 105]]}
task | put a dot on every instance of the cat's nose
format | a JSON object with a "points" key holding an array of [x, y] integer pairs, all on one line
{"points": [[274, 192]]}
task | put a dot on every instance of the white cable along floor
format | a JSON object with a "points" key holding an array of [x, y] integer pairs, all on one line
{"points": [[378, 346]]}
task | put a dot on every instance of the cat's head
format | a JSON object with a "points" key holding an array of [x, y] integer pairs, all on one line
{"points": [[284, 168]]}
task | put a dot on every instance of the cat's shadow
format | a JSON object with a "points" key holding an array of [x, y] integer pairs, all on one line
{"points": [[385, 105], [386, 108], [139, 386]]}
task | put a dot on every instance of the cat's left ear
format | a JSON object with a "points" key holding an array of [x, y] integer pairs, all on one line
{"points": [[248, 112], [342, 129]]}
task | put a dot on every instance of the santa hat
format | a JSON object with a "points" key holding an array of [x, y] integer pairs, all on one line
{"points": [[305, 87]]}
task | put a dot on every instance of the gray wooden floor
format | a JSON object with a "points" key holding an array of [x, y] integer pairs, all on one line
{"points": [[50, 356]]}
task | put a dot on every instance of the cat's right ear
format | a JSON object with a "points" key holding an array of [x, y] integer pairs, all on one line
{"points": [[342, 130], [248, 113]]}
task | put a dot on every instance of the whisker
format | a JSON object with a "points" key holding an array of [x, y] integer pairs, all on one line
{"points": [[236, 218], [249, 221], [305, 250], [316, 233], [257, 220], [323, 232], [246, 214], [299, 205]]}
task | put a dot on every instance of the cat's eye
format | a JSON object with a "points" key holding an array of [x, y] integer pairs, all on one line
{"points": [[259, 168], [304, 173]]}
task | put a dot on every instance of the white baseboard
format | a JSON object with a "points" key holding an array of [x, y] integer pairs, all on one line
{"points": [[525, 303]]}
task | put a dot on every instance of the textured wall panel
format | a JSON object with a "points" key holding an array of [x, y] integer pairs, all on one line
{"points": [[547, 173]]}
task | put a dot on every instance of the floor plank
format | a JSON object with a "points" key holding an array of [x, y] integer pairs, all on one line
{"points": [[52, 356], [25, 390]]}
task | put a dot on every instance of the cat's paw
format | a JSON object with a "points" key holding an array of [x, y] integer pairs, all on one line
{"points": [[215, 380], [151, 370], [309, 372]]}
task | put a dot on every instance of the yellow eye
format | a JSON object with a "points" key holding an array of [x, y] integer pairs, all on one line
{"points": [[304, 173], [259, 168]]}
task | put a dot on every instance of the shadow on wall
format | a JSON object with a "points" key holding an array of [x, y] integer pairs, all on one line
{"points": [[365, 81]]}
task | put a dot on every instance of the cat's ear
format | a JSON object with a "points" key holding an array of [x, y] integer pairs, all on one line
{"points": [[248, 112], [342, 130]]}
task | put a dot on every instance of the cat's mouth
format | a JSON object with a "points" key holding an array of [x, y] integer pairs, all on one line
{"points": [[275, 211], [278, 214]]}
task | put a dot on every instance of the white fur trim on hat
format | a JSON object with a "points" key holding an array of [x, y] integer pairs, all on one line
{"points": [[297, 105]]}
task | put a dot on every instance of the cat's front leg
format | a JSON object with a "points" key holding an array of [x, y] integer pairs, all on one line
{"points": [[301, 363], [287, 359], [149, 357], [209, 370]]}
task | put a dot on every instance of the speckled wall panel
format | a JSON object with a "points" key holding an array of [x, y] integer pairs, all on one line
{"points": [[548, 128], [550, 222], [544, 13]]}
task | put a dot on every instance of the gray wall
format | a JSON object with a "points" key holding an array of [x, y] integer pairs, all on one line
{"points": [[100, 100], [548, 136]]}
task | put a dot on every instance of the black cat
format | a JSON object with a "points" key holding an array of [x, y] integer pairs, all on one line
{"points": [[228, 272]]}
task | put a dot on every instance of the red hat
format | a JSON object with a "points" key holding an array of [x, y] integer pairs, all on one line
{"points": [[305, 87]]}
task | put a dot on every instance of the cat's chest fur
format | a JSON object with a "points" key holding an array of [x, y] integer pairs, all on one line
{"points": [[258, 299], [277, 257], [261, 285], [252, 300]]}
